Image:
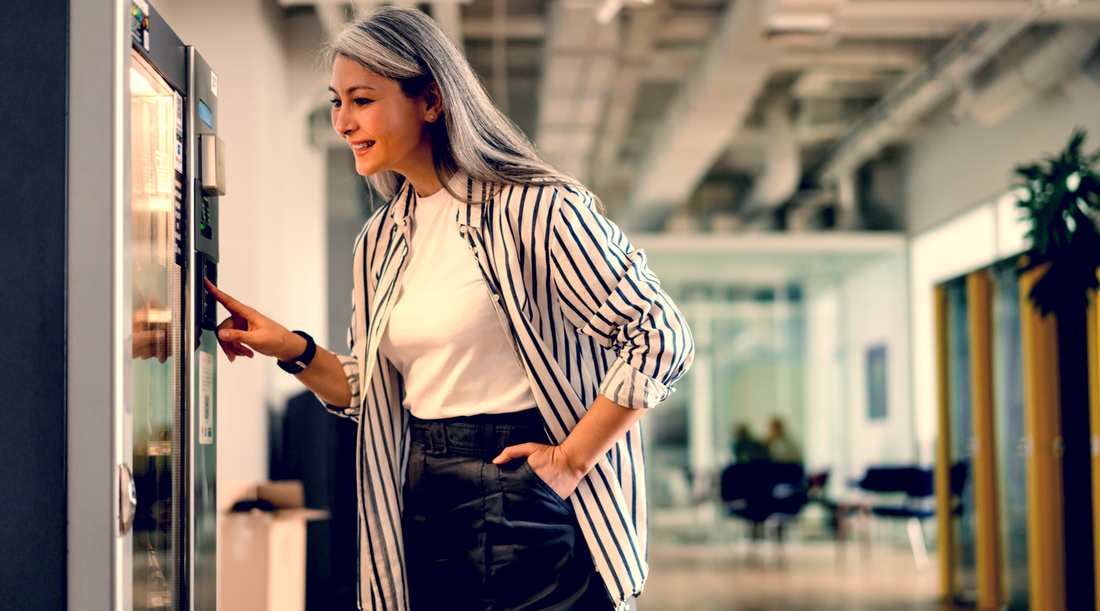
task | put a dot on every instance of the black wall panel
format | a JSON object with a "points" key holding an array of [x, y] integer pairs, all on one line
{"points": [[33, 107]]}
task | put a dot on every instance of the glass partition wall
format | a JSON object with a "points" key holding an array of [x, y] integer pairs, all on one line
{"points": [[747, 372], [1018, 563], [1008, 414], [784, 327], [959, 437]]}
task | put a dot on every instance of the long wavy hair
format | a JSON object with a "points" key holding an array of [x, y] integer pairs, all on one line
{"points": [[472, 136]]}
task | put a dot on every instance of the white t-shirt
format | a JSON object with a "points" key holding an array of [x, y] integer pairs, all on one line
{"points": [[444, 335]]}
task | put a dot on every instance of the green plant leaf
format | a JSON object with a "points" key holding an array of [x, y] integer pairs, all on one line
{"points": [[1060, 197]]}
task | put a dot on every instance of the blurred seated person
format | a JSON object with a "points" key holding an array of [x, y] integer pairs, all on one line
{"points": [[781, 449], [746, 448], [765, 480]]}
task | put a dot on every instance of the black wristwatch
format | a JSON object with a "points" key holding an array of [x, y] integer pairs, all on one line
{"points": [[303, 360]]}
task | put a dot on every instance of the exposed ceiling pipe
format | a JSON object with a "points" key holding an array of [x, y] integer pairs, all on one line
{"points": [[847, 201], [579, 66], [702, 119], [610, 175], [782, 158], [962, 11], [921, 93], [607, 11], [876, 55], [1045, 68], [518, 27], [849, 15]]}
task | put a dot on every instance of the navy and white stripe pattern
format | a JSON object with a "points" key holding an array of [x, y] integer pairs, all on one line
{"points": [[585, 316]]}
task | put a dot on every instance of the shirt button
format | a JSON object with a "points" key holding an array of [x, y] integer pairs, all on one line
{"points": [[462, 230], [496, 297]]}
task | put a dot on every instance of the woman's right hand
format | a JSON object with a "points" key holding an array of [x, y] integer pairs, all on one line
{"points": [[246, 330]]}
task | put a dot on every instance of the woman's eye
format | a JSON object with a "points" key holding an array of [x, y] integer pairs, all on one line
{"points": [[335, 103], [362, 101]]}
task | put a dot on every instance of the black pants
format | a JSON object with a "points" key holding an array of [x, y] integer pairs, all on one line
{"points": [[482, 537]]}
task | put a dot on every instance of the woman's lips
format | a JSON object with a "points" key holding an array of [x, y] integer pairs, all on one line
{"points": [[361, 148]]}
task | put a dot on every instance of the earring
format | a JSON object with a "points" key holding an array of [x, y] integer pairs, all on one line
{"points": [[431, 117]]}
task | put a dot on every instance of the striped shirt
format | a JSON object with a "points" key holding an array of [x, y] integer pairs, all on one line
{"points": [[584, 315]]}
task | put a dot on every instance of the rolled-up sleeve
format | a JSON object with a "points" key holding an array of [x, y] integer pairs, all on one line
{"points": [[609, 293], [351, 370], [350, 365]]}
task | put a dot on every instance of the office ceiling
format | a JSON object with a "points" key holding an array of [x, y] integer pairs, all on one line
{"points": [[674, 111]]}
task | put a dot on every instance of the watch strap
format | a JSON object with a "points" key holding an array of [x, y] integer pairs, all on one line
{"points": [[299, 363]]}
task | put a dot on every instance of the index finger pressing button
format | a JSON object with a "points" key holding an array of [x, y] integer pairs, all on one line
{"points": [[224, 298]]}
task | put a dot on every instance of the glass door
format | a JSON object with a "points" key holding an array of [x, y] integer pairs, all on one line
{"points": [[155, 384], [1008, 406], [959, 443]]}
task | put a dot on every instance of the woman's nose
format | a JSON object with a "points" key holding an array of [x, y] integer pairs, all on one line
{"points": [[342, 122]]}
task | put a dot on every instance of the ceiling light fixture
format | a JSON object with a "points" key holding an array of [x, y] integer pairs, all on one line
{"points": [[800, 22], [608, 9]]}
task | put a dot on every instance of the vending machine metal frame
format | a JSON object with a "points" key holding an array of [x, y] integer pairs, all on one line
{"points": [[103, 35], [98, 567]]}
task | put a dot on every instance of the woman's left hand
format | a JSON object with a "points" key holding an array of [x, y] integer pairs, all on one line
{"points": [[551, 463]]}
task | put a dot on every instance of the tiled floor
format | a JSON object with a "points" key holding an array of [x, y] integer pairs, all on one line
{"points": [[742, 576]]}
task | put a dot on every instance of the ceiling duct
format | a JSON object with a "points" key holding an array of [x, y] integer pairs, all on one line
{"points": [[918, 95], [914, 17], [857, 12], [578, 74], [701, 121], [610, 176], [782, 158], [1049, 65]]}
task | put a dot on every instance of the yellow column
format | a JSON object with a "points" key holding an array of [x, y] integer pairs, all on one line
{"points": [[983, 454], [1094, 425], [1042, 430], [944, 514]]}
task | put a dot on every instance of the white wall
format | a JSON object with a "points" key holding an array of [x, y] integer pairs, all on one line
{"points": [[826, 386], [346, 217], [980, 237], [954, 167], [863, 309], [273, 215], [876, 312]]}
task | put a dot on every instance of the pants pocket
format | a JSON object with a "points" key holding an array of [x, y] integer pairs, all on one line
{"points": [[540, 484]]}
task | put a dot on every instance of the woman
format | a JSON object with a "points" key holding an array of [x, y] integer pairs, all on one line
{"points": [[505, 341]]}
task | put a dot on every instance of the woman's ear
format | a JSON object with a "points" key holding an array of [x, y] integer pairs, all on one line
{"points": [[433, 102]]}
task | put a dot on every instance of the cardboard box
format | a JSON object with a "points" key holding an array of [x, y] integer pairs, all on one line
{"points": [[262, 554]]}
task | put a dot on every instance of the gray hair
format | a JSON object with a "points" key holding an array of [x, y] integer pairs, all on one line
{"points": [[472, 135]]}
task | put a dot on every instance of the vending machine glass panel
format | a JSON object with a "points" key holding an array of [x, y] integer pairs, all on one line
{"points": [[156, 114]]}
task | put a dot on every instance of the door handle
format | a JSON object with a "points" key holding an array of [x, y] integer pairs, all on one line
{"points": [[127, 499]]}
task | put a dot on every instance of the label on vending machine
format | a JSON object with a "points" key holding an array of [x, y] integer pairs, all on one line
{"points": [[139, 23], [206, 398]]}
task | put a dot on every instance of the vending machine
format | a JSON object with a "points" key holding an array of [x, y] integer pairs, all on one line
{"points": [[177, 174]]}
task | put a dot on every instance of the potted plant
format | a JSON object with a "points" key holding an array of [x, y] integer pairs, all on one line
{"points": [[1061, 198]]}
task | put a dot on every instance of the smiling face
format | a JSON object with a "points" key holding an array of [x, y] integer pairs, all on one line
{"points": [[385, 129]]}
